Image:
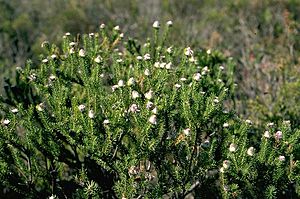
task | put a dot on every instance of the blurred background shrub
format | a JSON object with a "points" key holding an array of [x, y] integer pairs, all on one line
{"points": [[262, 37]]}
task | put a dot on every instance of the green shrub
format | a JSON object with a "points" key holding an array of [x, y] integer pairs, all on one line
{"points": [[108, 117]]}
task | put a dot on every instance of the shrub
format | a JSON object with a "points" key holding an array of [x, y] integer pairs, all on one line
{"points": [[105, 117]]}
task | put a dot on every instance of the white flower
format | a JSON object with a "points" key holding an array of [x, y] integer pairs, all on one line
{"points": [[208, 51], [188, 51], [232, 147], [281, 158], [216, 100], [248, 121], [121, 35], [197, 76], [134, 108], [162, 65], [156, 25], [152, 119], [45, 60], [251, 151], [149, 94], [52, 77], [72, 51], [267, 134], [183, 79], [82, 53], [52, 197], [119, 60], [53, 56], [139, 57], [121, 83], [135, 94], [278, 135], [149, 105], [156, 64], [98, 59], [286, 122], [102, 26], [222, 169], [114, 87], [14, 110], [147, 72], [91, 34], [169, 50], [67, 34], [131, 81], [106, 121], [225, 125], [169, 66], [40, 107], [169, 23], [221, 67], [154, 110], [192, 59], [226, 164], [81, 107], [147, 56], [72, 44], [6, 121], [270, 124], [117, 28], [187, 131], [91, 114], [177, 85]]}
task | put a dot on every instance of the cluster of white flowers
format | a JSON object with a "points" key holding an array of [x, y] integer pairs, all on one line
{"points": [[149, 94], [225, 166], [131, 82], [163, 65], [278, 135], [147, 72], [205, 70], [6, 121], [135, 94], [134, 108]]}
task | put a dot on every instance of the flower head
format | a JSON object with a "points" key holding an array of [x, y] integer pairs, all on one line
{"points": [[188, 51], [106, 121], [149, 105], [278, 135], [156, 25], [102, 26], [169, 23], [267, 134], [82, 53], [232, 147], [6, 121], [134, 108], [225, 125], [197, 76], [147, 72], [149, 95], [14, 110], [226, 164], [135, 94], [281, 158], [40, 107], [117, 28], [91, 114], [81, 107], [187, 131], [98, 59], [131, 81], [251, 151], [152, 119]]}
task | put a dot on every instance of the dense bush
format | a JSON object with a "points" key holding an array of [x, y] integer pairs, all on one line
{"points": [[109, 117]]}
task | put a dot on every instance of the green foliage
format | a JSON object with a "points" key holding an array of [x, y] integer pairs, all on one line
{"points": [[109, 117]]}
